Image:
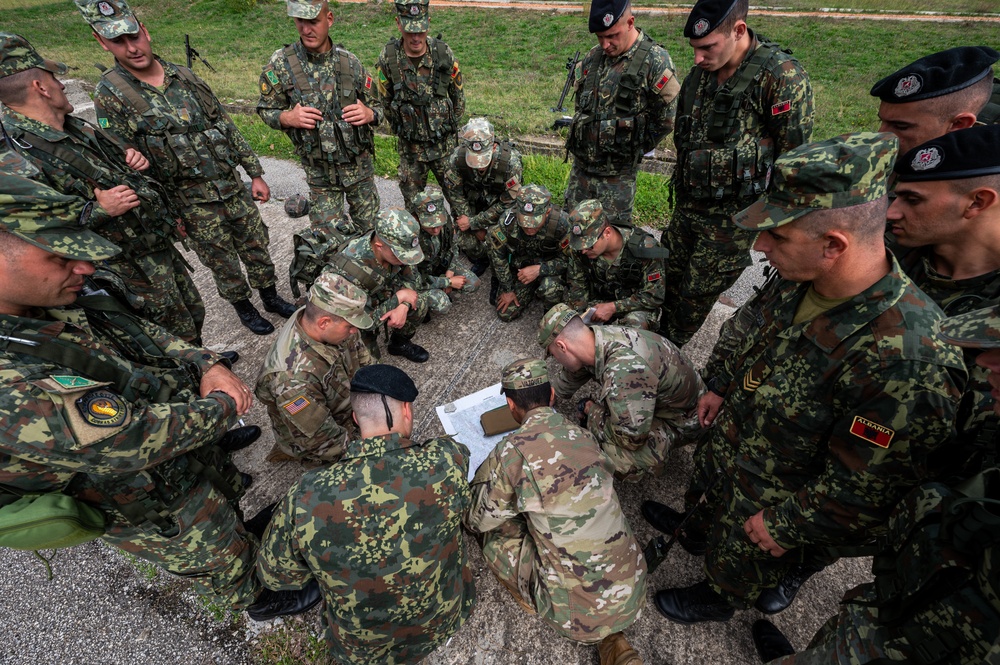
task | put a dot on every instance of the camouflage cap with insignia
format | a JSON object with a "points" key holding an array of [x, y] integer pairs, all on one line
{"points": [[297, 205], [840, 172], [477, 136], [430, 207], [307, 9], [706, 16], [52, 221], [334, 293], [976, 330], [553, 323], [17, 55], [401, 233], [414, 15], [524, 373], [109, 18], [937, 74], [586, 221], [970, 153], [531, 205]]}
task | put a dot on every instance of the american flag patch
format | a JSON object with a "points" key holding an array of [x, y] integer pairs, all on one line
{"points": [[296, 405], [662, 82], [781, 107], [871, 432], [368, 83]]}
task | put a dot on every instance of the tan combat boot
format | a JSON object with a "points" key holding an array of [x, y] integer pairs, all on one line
{"points": [[615, 650]]}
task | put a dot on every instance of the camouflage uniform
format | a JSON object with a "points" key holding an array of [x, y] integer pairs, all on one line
{"points": [[719, 175], [440, 252], [380, 530], [194, 148], [624, 107], [336, 156]]}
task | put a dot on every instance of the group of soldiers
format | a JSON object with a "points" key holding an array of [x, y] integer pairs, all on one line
{"points": [[840, 414]]}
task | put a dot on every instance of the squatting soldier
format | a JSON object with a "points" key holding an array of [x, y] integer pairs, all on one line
{"points": [[648, 390], [528, 254], [321, 96], [440, 272], [482, 177], [626, 93], [614, 272], [77, 158], [382, 262], [306, 376], [193, 147], [828, 389], [745, 102], [392, 564], [420, 85], [553, 531], [116, 412]]}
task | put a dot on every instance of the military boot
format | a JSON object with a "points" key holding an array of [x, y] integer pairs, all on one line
{"points": [[615, 650], [272, 604], [769, 641], [251, 318], [402, 346], [494, 289], [274, 303]]}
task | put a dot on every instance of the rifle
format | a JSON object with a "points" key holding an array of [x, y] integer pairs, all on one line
{"points": [[192, 53], [567, 86], [657, 548]]}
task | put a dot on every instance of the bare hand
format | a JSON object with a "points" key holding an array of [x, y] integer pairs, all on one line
{"points": [[603, 312], [118, 200], [708, 408], [259, 190], [462, 222], [481, 235], [505, 300], [407, 295], [757, 532], [300, 117], [358, 114], [457, 281], [528, 274], [220, 379], [136, 160], [396, 316]]}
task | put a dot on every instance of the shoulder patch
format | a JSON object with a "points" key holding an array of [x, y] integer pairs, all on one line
{"points": [[512, 183], [454, 69], [653, 277], [102, 408], [663, 81], [500, 236], [265, 88], [296, 405], [73, 382], [381, 76], [368, 83], [103, 123], [781, 107], [565, 243], [872, 432], [272, 77]]}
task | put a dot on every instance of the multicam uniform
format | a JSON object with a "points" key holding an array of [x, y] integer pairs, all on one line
{"points": [[194, 148], [624, 107], [81, 158], [381, 532], [724, 156], [336, 156], [553, 529]]}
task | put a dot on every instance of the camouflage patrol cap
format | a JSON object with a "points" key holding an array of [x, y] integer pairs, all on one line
{"points": [[970, 153], [414, 15], [524, 373], [553, 323], [52, 221], [109, 18], [384, 380], [430, 207], [297, 206], [17, 55], [936, 74], [477, 136], [401, 233], [840, 172], [307, 9], [531, 205], [334, 293], [976, 330], [586, 221]]}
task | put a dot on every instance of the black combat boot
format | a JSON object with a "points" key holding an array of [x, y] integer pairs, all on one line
{"points": [[239, 438], [693, 604], [274, 303], [777, 599], [769, 641], [251, 318], [479, 266], [231, 356], [666, 519], [273, 604], [494, 289], [402, 346]]}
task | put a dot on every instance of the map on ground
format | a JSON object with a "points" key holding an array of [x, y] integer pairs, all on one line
{"points": [[460, 419]]}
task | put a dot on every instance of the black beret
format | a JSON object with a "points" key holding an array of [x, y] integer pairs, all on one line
{"points": [[965, 153], [706, 17], [936, 74], [384, 380], [605, 13]]}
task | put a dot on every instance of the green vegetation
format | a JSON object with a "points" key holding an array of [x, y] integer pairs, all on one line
{"points": [[293, 643]]}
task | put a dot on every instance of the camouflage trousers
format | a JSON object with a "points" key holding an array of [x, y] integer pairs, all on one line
{"points": [[708, 253], [414, 165], [551, 289], [171, 299], [640, 318], [615, 192], [651, 457], [440, 302], [413, 319], [330, 184], [469, 243], [211, 548], [222, 234]]}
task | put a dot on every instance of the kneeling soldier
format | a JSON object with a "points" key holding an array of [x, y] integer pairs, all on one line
{"points": [[440, 271]]}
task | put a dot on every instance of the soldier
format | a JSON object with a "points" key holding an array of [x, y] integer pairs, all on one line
{"points": [[392, 564], [116, 412], [938, 93], [648, 389], [321, 96], [828, 389], [552, 528], [481, 180], [615, 273], [625, 103], [528, 254], [745, 102], [440, 272], [176, 121], [80, 159], [381, 263], [307, 373], [420, 86]]}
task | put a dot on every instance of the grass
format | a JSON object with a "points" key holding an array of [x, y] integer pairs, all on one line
{"points": [[293, 643]]}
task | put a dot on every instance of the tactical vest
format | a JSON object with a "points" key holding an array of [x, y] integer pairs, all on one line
{"points": [[334, 140], [734, 162], [548, 240], [312, 250], [440, 264], [421, 117], [613, 138], [990, 115], [194, 155], [631, 269], [368, 279], [495, 179]]}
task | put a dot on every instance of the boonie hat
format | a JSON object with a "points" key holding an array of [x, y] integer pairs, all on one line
{"points": [[553, 323], [936, 74], [975, 330], [414, 15], [706, 16], [586, 221], [524, 373], [307, 9], [109, 18], [17, 55], [430, 207], [384, 380], [968, 153], [477, 136], [336, 294], [401, 233], [531, 205]]}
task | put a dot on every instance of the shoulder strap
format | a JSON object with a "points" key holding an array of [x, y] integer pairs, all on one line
{"points": [[442, 68], [392, 55], [729, 98], [636, 248], [499, 172], [355, 273], [59, 155], [345, 80], [125, 87], [205, 95], [629, 85], [299, 77]]}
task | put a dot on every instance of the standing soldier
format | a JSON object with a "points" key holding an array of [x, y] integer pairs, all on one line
{"points": [[176, 121], [440, 272], [625, 102], [321, 96], [745, 102], [420, 85], [528, 253]]}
